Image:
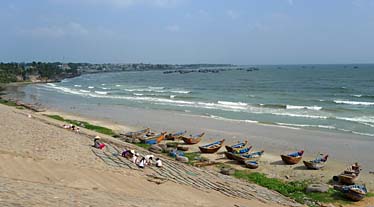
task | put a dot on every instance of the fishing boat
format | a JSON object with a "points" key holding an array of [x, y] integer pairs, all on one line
{"points": [[353, 192], [349, 176], [242, 150], [251, 164], [213, 147], [254, 156], [193, 139], [231, 155], [293, 158], [317, 163], [174, 136], [153, 139], [137, 133], [236, 146]]}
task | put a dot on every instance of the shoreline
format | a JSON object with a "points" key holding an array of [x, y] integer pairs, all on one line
{"points": [[343, 148], [271, 163]]}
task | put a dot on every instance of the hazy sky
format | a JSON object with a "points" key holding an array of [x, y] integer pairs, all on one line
{"points": [[188, 31]]}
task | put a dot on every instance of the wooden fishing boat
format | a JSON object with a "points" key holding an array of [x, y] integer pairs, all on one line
{"points": [[254, 156], [242, 150], [353, 192], [293, 158], [193, 139], [153, 139], [236, 146], [349, 176], [231, 155], [213, 147], [317, 163], [174, 136], [251, 164], [137, 133]]}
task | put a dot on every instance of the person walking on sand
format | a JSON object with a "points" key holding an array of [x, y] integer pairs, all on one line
{"points": [[158, 162]]}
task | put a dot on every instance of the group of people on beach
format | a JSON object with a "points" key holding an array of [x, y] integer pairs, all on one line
{"points": [[146, 160], [135, 157], [71, 127]]}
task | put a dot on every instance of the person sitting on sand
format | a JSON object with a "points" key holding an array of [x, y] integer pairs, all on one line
{"points": [[128, 153], [134, 158], [97, 143], [149, 159], [77, 130], [158, 162], [142, 163], [66, 126]]}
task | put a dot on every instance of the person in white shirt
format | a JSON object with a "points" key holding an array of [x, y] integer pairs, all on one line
{"points": [[158, 162], [149, 159], [142, 163], [134, 158]]}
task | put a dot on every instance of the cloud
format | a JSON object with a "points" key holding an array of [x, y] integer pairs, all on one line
{"points": [[57, 31], [172, 28], [290, 2], [232, 14]]}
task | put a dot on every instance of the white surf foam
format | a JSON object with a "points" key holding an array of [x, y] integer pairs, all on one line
{"points": [[90, 87], [354, 102], [78, 86], [317, 108], [84, 91], [101, 92], [180, 91], [301, 115]]}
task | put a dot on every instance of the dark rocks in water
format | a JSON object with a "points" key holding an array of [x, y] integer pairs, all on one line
{"points": [[184, 71]]}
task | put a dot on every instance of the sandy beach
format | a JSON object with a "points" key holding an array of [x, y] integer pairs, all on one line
{"points": [[343, 148], [45, 152], [45, 165]]}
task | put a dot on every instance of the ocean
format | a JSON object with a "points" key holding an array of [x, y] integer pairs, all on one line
{"points": [[320, 97]]}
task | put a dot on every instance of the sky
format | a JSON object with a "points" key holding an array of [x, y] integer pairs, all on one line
{"points": [[240, 32]]}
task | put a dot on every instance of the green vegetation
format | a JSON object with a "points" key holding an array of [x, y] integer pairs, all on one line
{"points": [[84, 124], [192, 156], [20, 72], [294, 189], [143, 145], [8, 103]]}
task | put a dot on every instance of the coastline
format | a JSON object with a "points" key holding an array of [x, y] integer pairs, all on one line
{"points": [[270, 163], [274, 140], [343, 148]]}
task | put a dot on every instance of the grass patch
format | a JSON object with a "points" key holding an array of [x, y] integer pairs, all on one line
{"points": [[84, 124], [370, 194], [294, 189], [143, 145], [8, 103]]}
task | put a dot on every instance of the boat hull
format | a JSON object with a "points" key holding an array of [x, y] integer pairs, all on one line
{"points": [[212, 148], [314, 166], [291, 160]]}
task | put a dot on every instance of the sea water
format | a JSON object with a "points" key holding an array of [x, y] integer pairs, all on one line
{"points": [[322, 97]]}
